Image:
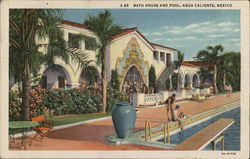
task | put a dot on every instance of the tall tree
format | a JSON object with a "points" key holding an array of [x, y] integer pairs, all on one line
{"points": [[204, 73], [229, 70], [115, 84], [104, 28], [178, 63], [211, 54], [90, 74], [152, 77], [27, 26]]}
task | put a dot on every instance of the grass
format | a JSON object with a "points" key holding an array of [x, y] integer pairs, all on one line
{"points": [[77, 118], [63, 120]]}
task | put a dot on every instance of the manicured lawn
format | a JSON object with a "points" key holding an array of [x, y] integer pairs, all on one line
{"points": [[77, 118]]}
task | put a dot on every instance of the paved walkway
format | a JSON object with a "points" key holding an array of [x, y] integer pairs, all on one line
{"points": [[92, 136]]}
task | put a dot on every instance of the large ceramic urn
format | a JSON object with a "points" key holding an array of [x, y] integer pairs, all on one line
{"points": [[123, 116]]}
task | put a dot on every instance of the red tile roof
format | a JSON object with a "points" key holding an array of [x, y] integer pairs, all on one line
{"points": [[122, 33], [66, 22], [198, 63], [154, 44], [130, 30], [188, 64]]}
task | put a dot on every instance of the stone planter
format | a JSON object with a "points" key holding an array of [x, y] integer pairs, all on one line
{"points": [[123, 116]]}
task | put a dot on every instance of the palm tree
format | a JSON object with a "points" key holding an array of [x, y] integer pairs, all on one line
{"points": [[102, 25], [229, 68], [90, 74], [27, 25], [211, 54], [203, 72]]}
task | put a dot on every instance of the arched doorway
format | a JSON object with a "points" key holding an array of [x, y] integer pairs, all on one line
{"points": [[196, 81], [133, 75], [187, 82], [55, 76]]}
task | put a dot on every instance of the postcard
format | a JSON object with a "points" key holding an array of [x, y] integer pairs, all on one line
{"points": [[124, 79]]}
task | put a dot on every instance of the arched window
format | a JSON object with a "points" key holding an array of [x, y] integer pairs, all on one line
{"points": [[187, 81], [133, 75], [195, 81]]}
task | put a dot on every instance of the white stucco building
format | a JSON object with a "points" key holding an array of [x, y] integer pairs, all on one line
{"points": [[129, 53]]}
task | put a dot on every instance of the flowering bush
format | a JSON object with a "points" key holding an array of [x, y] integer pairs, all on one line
{"points": [[204, 85], [36, 101], [14, 106], [65, 101], [195, 96], [188, 88], [115, 96]]}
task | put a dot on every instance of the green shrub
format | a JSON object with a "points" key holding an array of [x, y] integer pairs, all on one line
{"points": [[175, 81], [14, 106], [168, 84], [152, 77], [65, 101], [114, 80], [115, 96], [73, 101]]}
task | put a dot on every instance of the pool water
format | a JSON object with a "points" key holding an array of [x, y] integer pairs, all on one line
{"points": [[232, 134]]}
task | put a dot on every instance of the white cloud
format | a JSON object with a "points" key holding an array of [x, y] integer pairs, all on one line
{"points": [[179, 30], [227, 29], [236, 30], [226, 24], [191, 26], [204, 27], [172, 39], [236, 44], [216, 35], [165, 27], [191, 38], [195, 28], [158, 39], [156, 33], [177, 39], [205, 23], [234, 40]]}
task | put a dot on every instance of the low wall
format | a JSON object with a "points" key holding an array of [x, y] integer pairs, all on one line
{"points": [[140, 99]]}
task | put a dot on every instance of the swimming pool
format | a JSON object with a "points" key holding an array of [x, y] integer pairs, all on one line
{"points": [[232, 134]]}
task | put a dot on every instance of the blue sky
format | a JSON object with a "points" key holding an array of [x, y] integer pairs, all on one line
{"points": [[186, 30]]}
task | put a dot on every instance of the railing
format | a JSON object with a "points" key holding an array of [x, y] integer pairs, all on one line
{"points": [[222, 139], [177, 93], [140, 99], [166, 133], [148, 127], [153, 98], [190, 92], [160, 83], [148, 133]]}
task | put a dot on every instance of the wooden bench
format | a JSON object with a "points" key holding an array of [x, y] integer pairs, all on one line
{"points": [[201, 139]]}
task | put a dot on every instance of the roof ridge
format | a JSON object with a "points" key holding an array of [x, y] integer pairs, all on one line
{"points": [[133, 28], [162, 46], [75, 24]]}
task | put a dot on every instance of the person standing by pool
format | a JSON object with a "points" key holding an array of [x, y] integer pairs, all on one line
{"points": [[169, 103], [178, 116]]}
